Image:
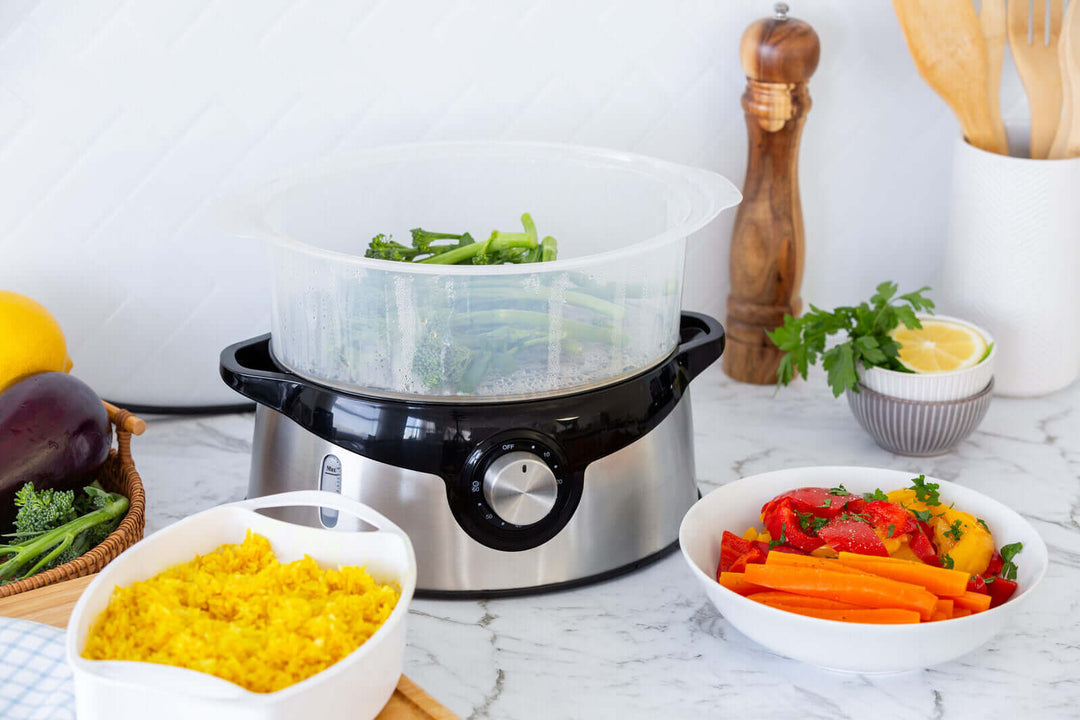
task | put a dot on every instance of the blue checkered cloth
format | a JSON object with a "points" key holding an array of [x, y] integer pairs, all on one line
{"points": [[35, 681]]}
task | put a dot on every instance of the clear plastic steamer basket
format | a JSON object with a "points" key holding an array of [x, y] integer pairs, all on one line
{"points": [[607, 309]]}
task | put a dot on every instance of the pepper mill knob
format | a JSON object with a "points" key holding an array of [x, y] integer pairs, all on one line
{"points": [[779, 49], [778, 54]]}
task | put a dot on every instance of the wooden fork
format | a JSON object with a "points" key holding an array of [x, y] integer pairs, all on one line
{"points": [[1036, 58]]}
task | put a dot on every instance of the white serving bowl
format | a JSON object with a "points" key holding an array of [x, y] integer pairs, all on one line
{"points": [[355, 688], [934, 387], [851, 647]]}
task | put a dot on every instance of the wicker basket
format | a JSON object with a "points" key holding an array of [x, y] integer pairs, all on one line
{"points": [[117, 474]]}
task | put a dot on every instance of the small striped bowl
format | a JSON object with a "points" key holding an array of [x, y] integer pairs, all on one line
{"points": [[918, 428]]}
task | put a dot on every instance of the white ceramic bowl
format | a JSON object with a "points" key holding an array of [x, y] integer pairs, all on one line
{"points": [[933, 387], [355, 688], [851, 647]]}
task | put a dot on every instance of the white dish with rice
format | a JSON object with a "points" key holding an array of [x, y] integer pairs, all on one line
{"points": [[358, 686]]}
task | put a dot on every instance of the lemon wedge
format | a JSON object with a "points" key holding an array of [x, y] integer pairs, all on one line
{"points": [[939, 346]]}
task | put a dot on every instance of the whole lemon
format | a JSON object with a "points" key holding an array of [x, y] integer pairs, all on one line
{"points": [[30, 340]]}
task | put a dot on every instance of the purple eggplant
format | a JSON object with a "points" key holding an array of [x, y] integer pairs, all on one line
{"points": [[54, 432]]}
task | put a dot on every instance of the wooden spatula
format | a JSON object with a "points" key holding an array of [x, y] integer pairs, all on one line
{"points": [[1036, 54], [993, 19], [1067, 140], [947, 44]]}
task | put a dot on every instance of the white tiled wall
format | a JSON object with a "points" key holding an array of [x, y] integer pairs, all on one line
{"points": [[121, 122]]}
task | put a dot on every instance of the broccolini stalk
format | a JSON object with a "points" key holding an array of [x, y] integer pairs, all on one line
{"points": [[572, 329], [37, 552], [548, 249]]}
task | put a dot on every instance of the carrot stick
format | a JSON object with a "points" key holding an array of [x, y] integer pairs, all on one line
{"points": [[809, 561], [736, 582], [937, 580], [973, 601], [880, 616], [944, 605], [778, 597], [864, 590], [961, 612]]}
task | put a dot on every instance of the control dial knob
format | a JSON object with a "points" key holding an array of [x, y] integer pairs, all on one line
{"points": [[520, 488]]}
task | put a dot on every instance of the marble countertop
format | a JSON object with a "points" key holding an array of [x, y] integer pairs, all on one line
{"points": [[650, 645]]}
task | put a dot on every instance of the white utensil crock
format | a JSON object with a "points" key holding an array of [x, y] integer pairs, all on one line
{"points": [[1012, 262]]}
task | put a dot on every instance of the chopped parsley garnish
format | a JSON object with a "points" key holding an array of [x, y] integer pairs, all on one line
{"points": [[876, 495], [921, 515], [853, 516], [947, 562], [955, 531], [839, 491], [892, 530], [826, 503], [809, 521], [783, 537], [1008, 567], [983, 523], [925, 492]]}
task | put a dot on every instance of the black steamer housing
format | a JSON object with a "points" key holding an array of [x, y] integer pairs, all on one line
{"points": [[497, 497]]}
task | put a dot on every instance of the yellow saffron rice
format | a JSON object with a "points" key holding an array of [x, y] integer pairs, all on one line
{"points": [[241, 615]]}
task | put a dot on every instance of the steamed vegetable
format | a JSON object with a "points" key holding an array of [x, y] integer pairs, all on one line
{"points": [[54, 527], [904, 551], [54, 430], [500, 247]]}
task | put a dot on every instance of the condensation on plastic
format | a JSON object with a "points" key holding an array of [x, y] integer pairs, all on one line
{"points": [[606, 309]]}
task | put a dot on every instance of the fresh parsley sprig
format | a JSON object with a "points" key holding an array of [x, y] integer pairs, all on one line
{"points": [[926, 492], [867, 326], [1008, 567]]}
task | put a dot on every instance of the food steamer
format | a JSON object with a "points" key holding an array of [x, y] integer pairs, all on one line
{"points": [[563, 452]]}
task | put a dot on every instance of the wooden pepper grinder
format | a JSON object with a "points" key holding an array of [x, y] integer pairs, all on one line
{"points": [[778, 54]]}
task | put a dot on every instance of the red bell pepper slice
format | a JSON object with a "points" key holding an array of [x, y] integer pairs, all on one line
{"points": [[924, 550], [753, 556], [890, 519], [821, 502], [996, 563], [1000, 590], [782, 522], [732, 547], [848, 534], [976, 584]]}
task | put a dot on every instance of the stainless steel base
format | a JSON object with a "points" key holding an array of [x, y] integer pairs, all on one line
{"points": [[631, 506]]}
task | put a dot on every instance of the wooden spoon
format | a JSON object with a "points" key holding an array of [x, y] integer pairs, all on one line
{"points": [[1037, 61], [992, 18], [1067, 140], [947, 44]]}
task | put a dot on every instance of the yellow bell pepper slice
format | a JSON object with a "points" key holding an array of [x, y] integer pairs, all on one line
{"points": [[956, 533]]}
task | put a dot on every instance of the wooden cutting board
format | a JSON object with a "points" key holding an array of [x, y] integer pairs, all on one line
{"points": [[52, 605]]}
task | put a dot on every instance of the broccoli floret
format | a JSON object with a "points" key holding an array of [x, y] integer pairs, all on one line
{"points": [[437, 363], [45, 548], [42, 510], [383, 248], [424, 241]]}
